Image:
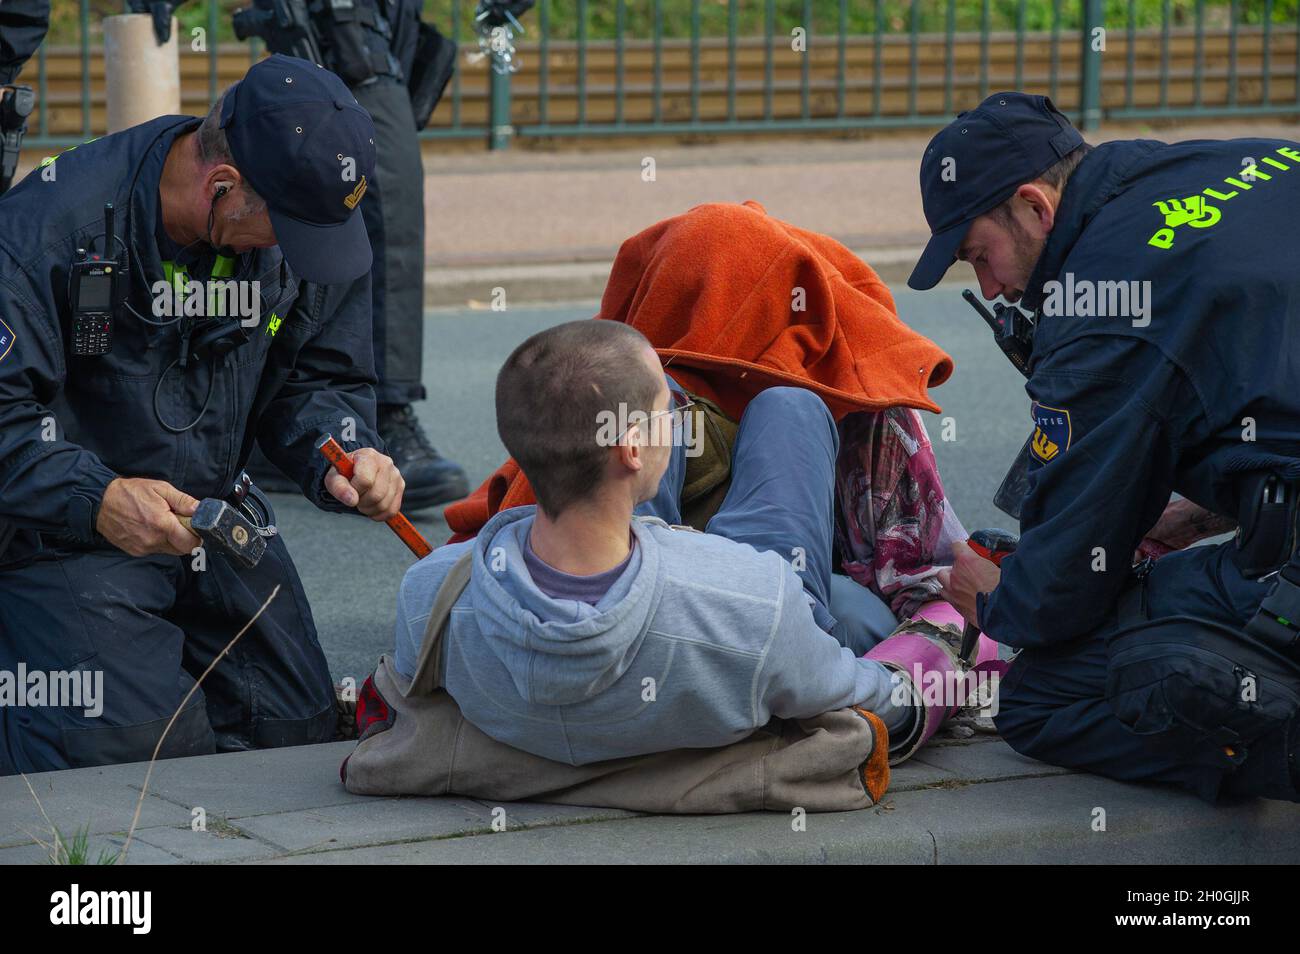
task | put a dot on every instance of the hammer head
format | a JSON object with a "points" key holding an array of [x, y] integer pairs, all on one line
{"points": [[222, 527]]}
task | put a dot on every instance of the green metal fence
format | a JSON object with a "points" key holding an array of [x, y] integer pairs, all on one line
{"points": [[600, 68]]}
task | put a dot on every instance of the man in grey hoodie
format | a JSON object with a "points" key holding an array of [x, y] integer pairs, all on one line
{"points": [[589, 633]]}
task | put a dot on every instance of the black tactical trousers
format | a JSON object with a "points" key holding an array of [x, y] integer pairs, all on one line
{"points": [[1053, 703], [150, 626], [393, 209]]}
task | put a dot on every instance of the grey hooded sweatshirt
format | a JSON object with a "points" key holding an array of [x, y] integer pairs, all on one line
{"points": [[699, 642]]}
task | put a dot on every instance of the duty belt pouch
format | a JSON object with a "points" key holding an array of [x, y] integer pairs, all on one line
{"points": [[1188, 680], [341, 23], [435, 61], [1267, 523], [1011, 493]]}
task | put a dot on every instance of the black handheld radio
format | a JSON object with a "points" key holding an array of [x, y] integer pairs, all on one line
{"points": [[1013, 330], [93, 284]]}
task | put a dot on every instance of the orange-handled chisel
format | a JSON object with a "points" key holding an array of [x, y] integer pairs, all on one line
{"points": [[333, 452], [992, 544]]}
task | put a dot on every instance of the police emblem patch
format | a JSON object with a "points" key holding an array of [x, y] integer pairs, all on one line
{"points": [[1051, 431], [6, 340]]}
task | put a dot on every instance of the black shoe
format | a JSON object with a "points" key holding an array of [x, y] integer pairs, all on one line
{"points": [[430, 478]]}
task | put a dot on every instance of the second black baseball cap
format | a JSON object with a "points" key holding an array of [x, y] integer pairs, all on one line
{"points": [[299, 137], [977, 162]]}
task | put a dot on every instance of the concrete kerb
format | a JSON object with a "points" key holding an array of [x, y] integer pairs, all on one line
{"points": [[971, 801]]}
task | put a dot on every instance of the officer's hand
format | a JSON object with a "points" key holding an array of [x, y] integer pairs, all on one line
{"points": [[376, 486], [138, 515], [969, 575]]}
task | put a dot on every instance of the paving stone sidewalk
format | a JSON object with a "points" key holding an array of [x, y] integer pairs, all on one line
{"points": [[545, 226]]}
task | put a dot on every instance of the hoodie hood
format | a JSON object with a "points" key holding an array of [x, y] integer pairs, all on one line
{"points": [[582, 649]]}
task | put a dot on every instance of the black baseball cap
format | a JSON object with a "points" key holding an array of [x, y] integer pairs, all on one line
{"points": [[992, 150], [308, 148]]}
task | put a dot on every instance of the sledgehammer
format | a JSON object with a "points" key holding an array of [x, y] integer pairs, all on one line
{"points": [[992, 545], [336, 455], [223, 528]]}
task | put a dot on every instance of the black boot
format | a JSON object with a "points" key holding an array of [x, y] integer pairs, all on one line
{"points": [[430, 478]]}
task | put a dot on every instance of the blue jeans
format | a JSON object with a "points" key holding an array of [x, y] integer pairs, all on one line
{"points": [[782, 498]]}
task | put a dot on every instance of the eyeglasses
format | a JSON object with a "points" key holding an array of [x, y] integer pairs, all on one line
{"points": [[680, 402]]}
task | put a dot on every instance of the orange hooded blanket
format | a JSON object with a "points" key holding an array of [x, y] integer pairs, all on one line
{"points": [[735, 301]]}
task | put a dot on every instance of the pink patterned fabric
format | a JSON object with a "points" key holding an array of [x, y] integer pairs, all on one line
{"points": [[893, 526]]}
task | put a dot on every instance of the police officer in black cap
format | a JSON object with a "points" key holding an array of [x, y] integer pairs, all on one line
{"points": [[1165, 286], [111, 432]]}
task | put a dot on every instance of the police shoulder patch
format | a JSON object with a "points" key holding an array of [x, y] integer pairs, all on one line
{"points": [[1051, 432], [6, 340]]}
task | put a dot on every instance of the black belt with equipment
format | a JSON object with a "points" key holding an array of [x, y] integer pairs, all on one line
{"points": [[1278, 621], [1270, 527], [354, 39], [16, 103], [349, 37]]}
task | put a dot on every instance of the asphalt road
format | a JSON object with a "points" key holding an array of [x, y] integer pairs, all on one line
{"points": [[352, 568]]}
